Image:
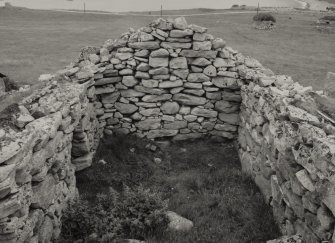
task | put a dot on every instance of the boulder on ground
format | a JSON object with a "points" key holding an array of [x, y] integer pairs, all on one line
{"points": [[178, 223]]}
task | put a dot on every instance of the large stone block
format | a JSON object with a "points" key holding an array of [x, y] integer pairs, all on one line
{"points": [[148, 45], [204, 112], [193, 53], [185, 99], [170, 108], [149, 124], [156, 98], [44, 193], [178, 63], [126, 108], [225, 82], [161, 133], [181, 33], [158, 62], [197, 78], [176, 125], [226, 107], [83, 162]]}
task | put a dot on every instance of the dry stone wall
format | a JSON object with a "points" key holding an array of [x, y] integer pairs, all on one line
{"points": [[167, 80], [43, 141], [286, 143]]}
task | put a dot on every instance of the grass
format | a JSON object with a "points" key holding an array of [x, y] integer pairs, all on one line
{"points": [[202, 181], [35, 42]]}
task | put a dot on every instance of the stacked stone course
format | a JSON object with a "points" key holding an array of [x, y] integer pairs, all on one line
{"points": [[49, 136], [168, 80]]}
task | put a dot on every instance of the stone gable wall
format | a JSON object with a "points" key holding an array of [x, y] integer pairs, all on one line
{"points": [[167, 80]]}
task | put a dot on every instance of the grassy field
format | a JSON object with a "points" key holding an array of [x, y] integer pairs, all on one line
{"points": [[201, 180], [35, 42]]}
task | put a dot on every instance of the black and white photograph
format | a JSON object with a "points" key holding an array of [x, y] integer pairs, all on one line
{"points": [[167, 121]]}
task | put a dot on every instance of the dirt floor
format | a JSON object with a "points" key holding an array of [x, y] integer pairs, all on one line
{"points": [[201, 179]]}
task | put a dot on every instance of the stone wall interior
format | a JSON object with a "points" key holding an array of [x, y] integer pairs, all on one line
{"points": [[167, 80]]}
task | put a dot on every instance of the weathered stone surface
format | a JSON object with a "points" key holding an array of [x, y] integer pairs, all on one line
{"points": [[124, 56], [204, 112], [170, 108], [152, 91], [181, 73], [193, 85], [181, 33], [231, 96], [178, 63], [218, 43], [305, 180], [204, 54], [44, 193], [180, 23], [233, 119], [189, 136], [297, 115], [210, 71], [156, 98], [142, 53], [149, 124], [180, 40], [110, 73], [143, 67], [220, 62], [126, 108], [178, 223], [197, 78], [129, 93], [129, 81], [158, 62], [185, 99], [176, 125], [228, 83], [201, 62], [142, 75], [202, 46], [110, 80], [150, 83], [176, 45], [197, 28], [225, 127], [161, 133], [83, 162], [202, 37], [170, 84], [159, 71], [160, 53], [197, 92], [226, 107], [150, 112], [110, 98], [9, 206], [149, 45]]}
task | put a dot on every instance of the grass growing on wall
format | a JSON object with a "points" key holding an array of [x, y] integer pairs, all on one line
{"points": [[201, 180]]}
